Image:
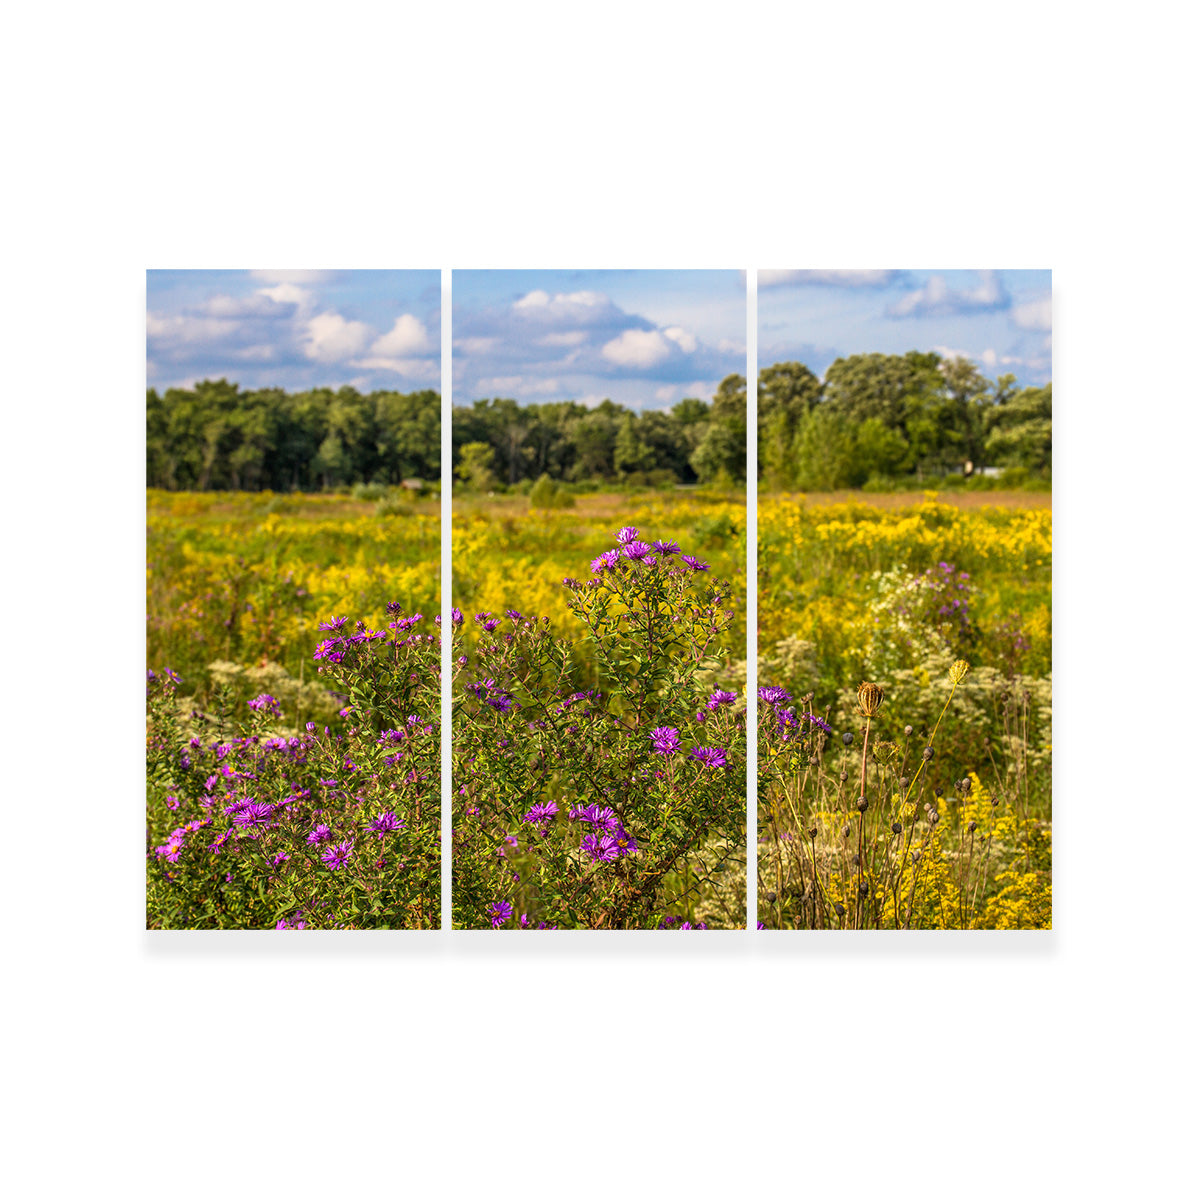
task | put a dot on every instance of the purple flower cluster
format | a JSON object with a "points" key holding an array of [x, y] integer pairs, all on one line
{"points": [[710, 756], [665, 740]]}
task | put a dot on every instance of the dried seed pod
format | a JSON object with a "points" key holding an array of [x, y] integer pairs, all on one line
{"points": [[897, 828], [847, 738], [844, 776], [908, 731], [839, 908], [771, 897], [864, 889], [862, 804], [812, 832], [903, 781], [972, 826], [845, 831], [934, 817], [927, 754], [870, 697], [966, 787], [937, 791]]}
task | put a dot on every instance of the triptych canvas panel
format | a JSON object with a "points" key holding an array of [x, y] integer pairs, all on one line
{"points": [[708, 657]]}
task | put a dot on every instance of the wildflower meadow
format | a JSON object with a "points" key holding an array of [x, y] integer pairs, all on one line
{"points": [[293, 713], [599, 757], [904, 715]]}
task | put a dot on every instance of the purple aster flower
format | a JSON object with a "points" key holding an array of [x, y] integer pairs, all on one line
{"points": [[539, 814], [601, 847], [320, 833], [456, 616], [336, 857], [635, 550], [666, 549], [818, 722], [626, 842], [280, 858], [500, 912], [333, 624], [254, 814], [718, 698], [264, 701], [595, 815], [386, 822], [774, 695], [665, 740], [626, 534], [331, 650], [695, 563], [710, 756]]}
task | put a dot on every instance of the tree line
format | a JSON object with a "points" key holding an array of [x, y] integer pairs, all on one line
{"points": [[500, 443], [879, 417], [215, 436]]}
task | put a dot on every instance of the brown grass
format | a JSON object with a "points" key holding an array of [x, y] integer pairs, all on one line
{"points": [[906, 499]]}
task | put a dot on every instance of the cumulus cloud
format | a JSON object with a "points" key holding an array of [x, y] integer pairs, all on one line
{"points": [[684, 340], [637, 348], [294, 276], [938, 299], [853, 279], [1034, 315], [425, 370], [330, 338], [571, 337], [407, 337]]}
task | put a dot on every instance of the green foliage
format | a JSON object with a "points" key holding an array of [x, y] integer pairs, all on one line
{"points": [[216, 437], [569, 442], [546, 493], [885, 420]]}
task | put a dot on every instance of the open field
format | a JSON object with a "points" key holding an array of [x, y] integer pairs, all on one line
{"points": [[245, 577], [905, 720], [509, 556]]}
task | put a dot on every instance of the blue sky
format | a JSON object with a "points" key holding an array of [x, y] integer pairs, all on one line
{"points": [[644, 339], [998, 319], [294, 329]]}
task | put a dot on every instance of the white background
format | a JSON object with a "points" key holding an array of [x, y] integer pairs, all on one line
{"points": [[648, 135]]}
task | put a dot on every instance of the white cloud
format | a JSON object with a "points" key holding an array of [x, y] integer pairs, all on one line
{"points": [[260, 353], [730, 346], [574, 337], [408, 336], [637, 348], [518, 384], [424, 370], [289, 293], [234, 307], [768, 279], [1035, 315], [544, 306], [330, 338], [665, 394], [684, 340], [476, 345], [293, 276], [536, 299], [937, 297]]}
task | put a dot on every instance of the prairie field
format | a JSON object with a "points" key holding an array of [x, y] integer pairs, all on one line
{"points": [[508, 555], [905, 711], [244, 578]]}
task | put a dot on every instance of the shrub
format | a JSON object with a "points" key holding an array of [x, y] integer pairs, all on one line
{"points": [[252, 824], [615, 807]]}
